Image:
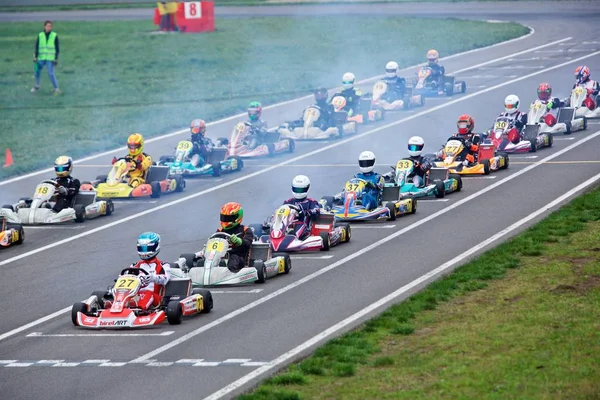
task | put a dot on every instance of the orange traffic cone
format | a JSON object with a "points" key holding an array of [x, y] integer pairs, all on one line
{"points": [[8, 161]]}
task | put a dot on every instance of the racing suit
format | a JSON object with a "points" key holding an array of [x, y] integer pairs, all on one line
{"points": [[152, 285], [437, 75], [397, 86], [352, 97], [238, 255], [65, 199], [140, 166], [201, 150], [370, 199], [258, 129], [519, 119], [311, 209], [421, 166]]}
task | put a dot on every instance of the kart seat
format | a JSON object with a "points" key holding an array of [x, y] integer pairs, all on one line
{"points": [[178, 287], [84, 198], [390, 193], [259, 251], [157, 173], [438, 174], [565, 114]]}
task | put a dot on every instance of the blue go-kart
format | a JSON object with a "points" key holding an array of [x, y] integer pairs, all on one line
{"points": [[216, 163], [438, 181]]}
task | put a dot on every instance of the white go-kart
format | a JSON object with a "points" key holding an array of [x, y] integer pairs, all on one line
{"points": [[564, 121], [584, 104]]}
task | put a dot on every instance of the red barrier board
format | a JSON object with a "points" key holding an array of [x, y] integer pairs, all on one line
{"points": [[196, 16]]}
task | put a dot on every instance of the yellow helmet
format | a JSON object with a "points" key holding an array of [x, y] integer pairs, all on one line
{"points": [[433, 56], [135, 143], [63, 166]]}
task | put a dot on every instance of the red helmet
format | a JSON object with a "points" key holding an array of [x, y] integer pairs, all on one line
{"points": [[198, 127], [465, 124], [582, 73], [544, 91]]}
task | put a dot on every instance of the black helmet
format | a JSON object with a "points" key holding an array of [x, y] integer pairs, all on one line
{"points": [[321, 94]]}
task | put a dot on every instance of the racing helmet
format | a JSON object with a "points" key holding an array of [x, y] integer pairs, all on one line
{"points": [[511, 104], [135, 144], [63, 166], [232, 214], [433, 56], [391, 69], [300, 186], [544, 91], [254, 111], [465, 124], [415, 146], [321, 95], [197, 129], [582, 74], [366, 161], [348, 80], [148, 245]]}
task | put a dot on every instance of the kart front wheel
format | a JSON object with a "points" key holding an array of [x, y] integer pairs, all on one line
{"points": [[110, 207], [458, 178], [440, 189], [347, 232], [392, 207], [260, 271], [100, 295], [207, 299], [174, 312], [189, 259], [9, 207], [79, 213], [77, 308], [326, 241], [155, 186], [486, 167]]}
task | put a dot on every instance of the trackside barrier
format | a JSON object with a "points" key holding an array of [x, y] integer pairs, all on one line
{"points": [[192, 16]]}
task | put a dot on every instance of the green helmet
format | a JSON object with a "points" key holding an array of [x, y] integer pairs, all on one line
{"points": [[254, 111]]}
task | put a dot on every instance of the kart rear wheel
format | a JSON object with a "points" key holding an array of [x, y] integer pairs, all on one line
{"points": [[260, 270], [458, 179], [550, 140], [9, 206], [440, 189], [348, 232], [568, 130], [240, 162], [77, 307], [463, 87], [110, 207], [486, 167], [155, 186], [189, 259], [414, 206], [584, 123], [206, 298], [174, 312], [291, 145], [270, 149], [287, 266], [79, 213], [180, 182], [326, 241], [216, 169], [392, 207], [506, 160]]}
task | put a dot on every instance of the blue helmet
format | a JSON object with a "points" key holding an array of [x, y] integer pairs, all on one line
{"points": [[148, 245]]}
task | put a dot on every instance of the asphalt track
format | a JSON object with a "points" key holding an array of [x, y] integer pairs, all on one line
{"points": [[252, 327]]}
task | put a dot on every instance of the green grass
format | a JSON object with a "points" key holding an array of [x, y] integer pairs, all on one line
{"points": [[117, 78], [520, 321]]}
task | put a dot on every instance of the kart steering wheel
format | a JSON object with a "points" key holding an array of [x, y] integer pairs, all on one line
{"points": [[51, 182], [133, 271], [221, 235]]}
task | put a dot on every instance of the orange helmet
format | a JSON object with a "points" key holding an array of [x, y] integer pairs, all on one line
{"points": [[433, 56], [544, 91], [135, 144], [465, 124], [231, 215], [582, 73], [198, 127]]}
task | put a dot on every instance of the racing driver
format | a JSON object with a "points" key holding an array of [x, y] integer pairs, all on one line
{"points": [[241, 236], [68, 187], [375, 181], [202, 145], [421, 164], [140, 161], [310, 209], [437, 71], [350, 93], [465, 134]]}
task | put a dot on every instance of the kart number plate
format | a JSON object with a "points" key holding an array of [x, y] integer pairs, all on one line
{"points": [[184, 145], [404, 165], [354, 186], [126, 283], [215, 246], [500, 125], [42, 190], [284, 211]]}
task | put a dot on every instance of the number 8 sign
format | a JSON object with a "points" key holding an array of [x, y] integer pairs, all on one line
{"points": [[192, 10]]}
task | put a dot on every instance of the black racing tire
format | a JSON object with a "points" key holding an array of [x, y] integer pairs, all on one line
{"points": [[328, 200], [326, 241], [216, 166], [9, 206], [165, 159], [458, 179], [291, 145], [240, 162], [271, 149], [348, 230], [287, 266], [440, 189], [101, 295], [585, 122], [174, 312], [568, 125], [110, 207], [101, 178], [79, 213], [533, 147], [189, 259], [392, 207], [156, 191], [550, 140], [414, 206], [180, 183], [260, 270], [506, 160], [463, 87], [207, 299], [486, 167], [19, 228], [77, 307]]}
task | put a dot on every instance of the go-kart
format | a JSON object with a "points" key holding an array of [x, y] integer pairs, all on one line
{"points": [[583, 102], [424, 85], [546, 122], [208, 267], [117, 308], [438, 181], [347, 205], [216, 163], [115, 184], [305, 128], [506, 137], [279, 231], [38, 209], [487, 159], [389, 100], [10, 233], [245, 142], [365, 114]]}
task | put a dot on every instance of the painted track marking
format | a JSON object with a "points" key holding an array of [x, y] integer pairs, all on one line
{"points": [[88, 335], [175, 202], [430, 276]]}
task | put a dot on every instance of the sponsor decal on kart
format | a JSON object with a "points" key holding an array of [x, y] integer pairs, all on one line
{"points": [[281, 264], [321, 226], [172, 185], [118, 322]]}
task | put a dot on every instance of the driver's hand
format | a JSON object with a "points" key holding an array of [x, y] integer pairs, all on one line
{"points": [[145, 279], [62, 190], [549, 105], [235, 240]]}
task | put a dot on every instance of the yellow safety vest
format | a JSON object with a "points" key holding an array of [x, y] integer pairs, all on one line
{"points": [[46, 48]]}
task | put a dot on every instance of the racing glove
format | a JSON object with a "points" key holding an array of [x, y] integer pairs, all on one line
{"points": [[145, 279], [235, 240], [550, 105], [63, 190], [372, 185]]}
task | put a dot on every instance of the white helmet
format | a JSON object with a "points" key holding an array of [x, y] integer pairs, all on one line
{"points": [[348, 80], [415, 146], [391, 69], [366, 161], [511, 103], [300, 186]]}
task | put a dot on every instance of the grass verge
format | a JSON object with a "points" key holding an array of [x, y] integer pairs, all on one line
{"points": [[117, 78], [520, 321]]}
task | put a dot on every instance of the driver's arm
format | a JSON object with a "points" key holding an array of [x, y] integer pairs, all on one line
{"points": [[247, 239], [146, 162], [73, 188], [163, 277]]}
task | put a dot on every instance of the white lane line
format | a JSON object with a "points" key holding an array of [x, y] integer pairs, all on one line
{"points": [[112, 364], [159, 364], [66, 364], [237, 360], [88, 335], [430, 276], [478, 177], [95, 361], [569, 44], [311, 257], [207, 364], [7, 361], [236, 291], [516, 67], [352, 256], [373, 226], [593, 122], [521, 157], [254, 364], [565, 51], [53, 227], [284, 103], [189, 361], [564, 138], [19, 365], [301, 157]]}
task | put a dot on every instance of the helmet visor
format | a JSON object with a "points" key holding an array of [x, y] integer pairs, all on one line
{"points": [[229, 218], [61, 168], [346, 82], [510, 106], [195, 130], [300, 189], [134, 146], [146, 248], [415, 147], [390, 70], [366, 163]]}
